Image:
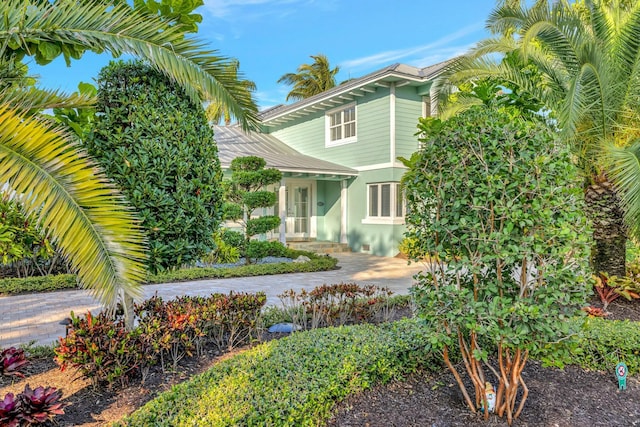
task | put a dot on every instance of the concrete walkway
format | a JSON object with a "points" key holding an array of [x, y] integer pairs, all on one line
{"points": [[36, 317]]}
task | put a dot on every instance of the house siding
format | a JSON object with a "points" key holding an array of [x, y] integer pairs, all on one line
{"points": [[408, 111], [382, 239], [307, 134]]}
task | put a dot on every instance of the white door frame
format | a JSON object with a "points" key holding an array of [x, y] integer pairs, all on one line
{"points": [[312, 219]]}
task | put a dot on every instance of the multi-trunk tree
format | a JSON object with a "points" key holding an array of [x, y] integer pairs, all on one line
{"points": [[495, 201]]}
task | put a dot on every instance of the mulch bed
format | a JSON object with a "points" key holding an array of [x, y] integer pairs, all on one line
{"points": [[557, 398], [562, 398], [568, 398]]}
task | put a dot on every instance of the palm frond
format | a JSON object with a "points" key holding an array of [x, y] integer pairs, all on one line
{"points": [[623, 167], [71, 26], [88, 220], [35, 99]]}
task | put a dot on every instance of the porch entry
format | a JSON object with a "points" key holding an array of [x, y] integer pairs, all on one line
{"points": [[298, 207]]}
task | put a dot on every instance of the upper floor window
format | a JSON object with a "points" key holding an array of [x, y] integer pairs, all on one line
{"points": [[341, 125]]}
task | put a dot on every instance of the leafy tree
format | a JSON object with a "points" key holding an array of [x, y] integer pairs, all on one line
{"points": [[311, 79], [495, 200], [87, 218], [158, 148], [245, 194], [585, 57]]}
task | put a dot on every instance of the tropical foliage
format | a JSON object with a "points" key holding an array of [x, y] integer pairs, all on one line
{"points": [[218, 111], [581, 61], [25, 249], [495, 201], [87, 218], [158, 148], [311, 79]]}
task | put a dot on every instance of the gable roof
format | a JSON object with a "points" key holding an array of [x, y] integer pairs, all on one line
{"points": [[233, 142], [351, 89]]}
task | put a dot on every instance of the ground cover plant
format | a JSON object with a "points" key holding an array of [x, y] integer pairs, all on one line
{"points": [[496, 199], [292, 381], [429, 395]]}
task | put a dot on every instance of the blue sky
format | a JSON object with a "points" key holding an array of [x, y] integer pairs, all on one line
{"points": [[273, 37]]}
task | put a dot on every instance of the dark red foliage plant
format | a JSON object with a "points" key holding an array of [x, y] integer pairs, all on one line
{"points": [[9, 411], [40, 405], [11, 360], [31, 407]]}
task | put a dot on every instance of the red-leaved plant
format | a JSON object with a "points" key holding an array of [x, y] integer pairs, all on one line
{"points": [[31, 407], [40, 405], [11, 360], [9, 411]]}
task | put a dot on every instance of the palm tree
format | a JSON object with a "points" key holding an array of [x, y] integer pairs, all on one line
{"points": [[582, 61], [47, 168], [311, 79], [218, 111]]}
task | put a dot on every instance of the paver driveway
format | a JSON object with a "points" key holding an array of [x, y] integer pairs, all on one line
{"points": [[36, 317]]}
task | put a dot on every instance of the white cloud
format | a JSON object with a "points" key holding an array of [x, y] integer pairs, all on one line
{"points": [[225, 8], [435, 49]]}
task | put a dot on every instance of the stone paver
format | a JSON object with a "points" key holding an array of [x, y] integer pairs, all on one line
{"points": [[36, 317]]}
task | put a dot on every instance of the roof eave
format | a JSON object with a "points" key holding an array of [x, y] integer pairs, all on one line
{"points": [[340, 95]]}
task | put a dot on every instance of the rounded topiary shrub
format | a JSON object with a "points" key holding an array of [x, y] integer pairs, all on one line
{"points": [[157, 146], [496, 203]]}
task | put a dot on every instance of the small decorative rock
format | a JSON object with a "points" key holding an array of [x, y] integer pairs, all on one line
{"points": [[301, 259], [286, 328]]}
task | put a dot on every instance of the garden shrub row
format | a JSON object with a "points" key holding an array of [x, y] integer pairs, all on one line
{"points": [[599, 346], [297, 380], [316, 263], [103, 350], [38, 284], [337, 305], [293, 381], [68, 281]]}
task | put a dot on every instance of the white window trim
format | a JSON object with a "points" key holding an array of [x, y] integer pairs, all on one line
{"points": [[393, 219], [327, 127]]}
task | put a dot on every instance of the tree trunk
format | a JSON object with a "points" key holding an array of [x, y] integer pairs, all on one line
{"points": [[609, 230]]}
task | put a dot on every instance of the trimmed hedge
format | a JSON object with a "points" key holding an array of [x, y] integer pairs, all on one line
{"points": [[317, 264], [38, 284], [68, 281], [599, 346], [294, 381]]}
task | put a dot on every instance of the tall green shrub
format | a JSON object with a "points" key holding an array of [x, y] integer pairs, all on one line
{"points": [[155, 143], [497, 202]]}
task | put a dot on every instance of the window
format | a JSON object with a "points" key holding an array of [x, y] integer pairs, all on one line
{"points": [[385, 203], [341, 126]]}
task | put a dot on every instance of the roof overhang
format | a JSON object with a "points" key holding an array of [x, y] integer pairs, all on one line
{"points": [[398, 75]]}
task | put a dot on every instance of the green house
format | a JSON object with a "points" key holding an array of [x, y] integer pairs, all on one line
{"points": [[338, 154]]}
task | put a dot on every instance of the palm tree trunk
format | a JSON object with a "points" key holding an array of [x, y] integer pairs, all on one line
{"points": [[609, 230]]}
